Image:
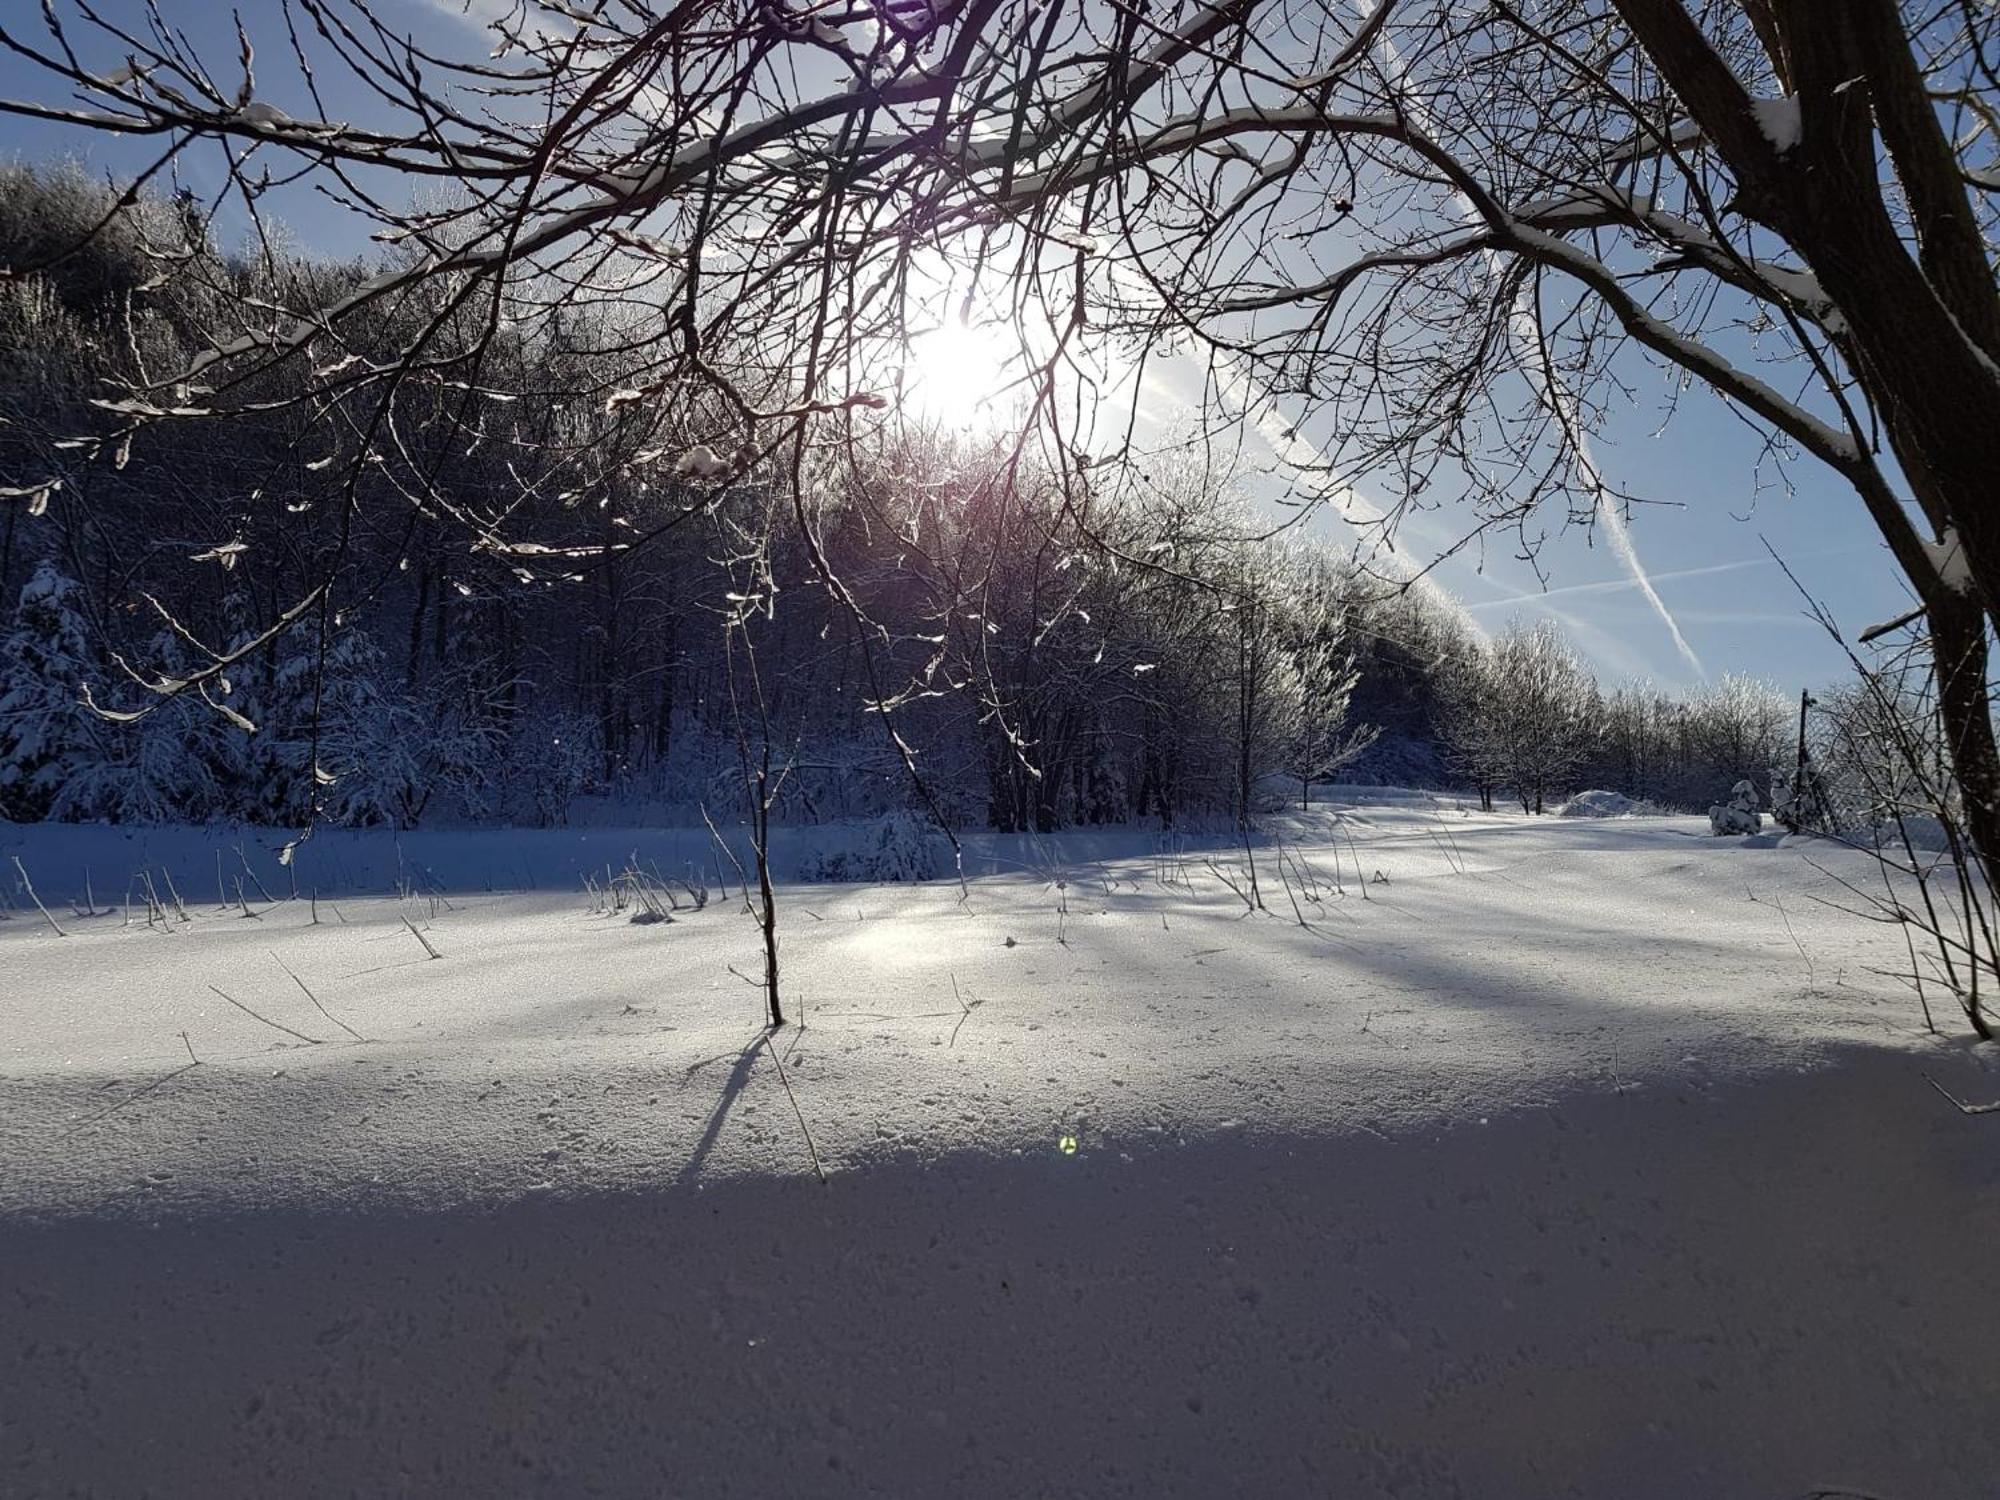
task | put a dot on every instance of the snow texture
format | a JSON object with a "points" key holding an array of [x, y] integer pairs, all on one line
{"points": [[1544, 1165]]}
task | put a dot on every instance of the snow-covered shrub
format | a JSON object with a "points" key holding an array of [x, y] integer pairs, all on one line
{"points": [[423, 752], [1607, 804], [161, 769], [899, 845], [550, 764], [1738, 815]]}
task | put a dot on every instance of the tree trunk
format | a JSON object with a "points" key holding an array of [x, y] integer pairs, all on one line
{"points": [[611, 688], [1958, 656], [767, 899], [417, 612], [1922, 331], [1249, 669]]}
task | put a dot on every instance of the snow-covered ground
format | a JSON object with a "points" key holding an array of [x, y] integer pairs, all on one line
{"points": [[1567, 1157]]}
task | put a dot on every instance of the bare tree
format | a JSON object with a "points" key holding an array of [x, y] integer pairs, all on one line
{"points": [[1322, 741], [1528, 716]]}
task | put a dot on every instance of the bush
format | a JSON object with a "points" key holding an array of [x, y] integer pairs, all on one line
{"points": [[1603, 804], [898, 845]]}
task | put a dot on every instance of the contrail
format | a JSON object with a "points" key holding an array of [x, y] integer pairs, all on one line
{"points": [[1560, 402], [1614, 585], [1524, 327], [1621, 543]]}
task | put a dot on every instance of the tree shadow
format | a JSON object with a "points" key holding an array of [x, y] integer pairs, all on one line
{"points": [[1636, 1295], [739, 1078]]}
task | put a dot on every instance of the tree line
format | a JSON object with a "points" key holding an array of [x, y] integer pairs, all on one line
{"points": [[1040, 661]]}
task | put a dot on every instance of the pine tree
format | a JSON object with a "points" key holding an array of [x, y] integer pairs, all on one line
{"points": [[47, 738]]}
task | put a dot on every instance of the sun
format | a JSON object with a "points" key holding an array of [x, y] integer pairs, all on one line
{"points": [[963, 374]]}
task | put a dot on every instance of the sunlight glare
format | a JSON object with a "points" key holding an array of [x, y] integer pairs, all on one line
{"points": [[958, 373]]}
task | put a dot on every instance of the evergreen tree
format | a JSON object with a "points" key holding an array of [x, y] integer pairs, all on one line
{"points": [[47, 737]]}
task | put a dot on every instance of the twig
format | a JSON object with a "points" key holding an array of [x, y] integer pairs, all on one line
{"points": [[155, 912], [1457, 854], [315, 1000], [804, 1129], [965, 1009], [722, 844], [1285, 876], [1242, 895], [244, 860], [421, 938], [180, 907], [1786, 917], [29, 885], [137, 1094], [1959, 1104], [309, 1040]]}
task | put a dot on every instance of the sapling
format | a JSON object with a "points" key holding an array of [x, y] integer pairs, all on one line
{"points": [[29, 886], [180, 909]]}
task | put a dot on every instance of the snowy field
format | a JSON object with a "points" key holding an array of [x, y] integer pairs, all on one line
{"points": [[1555, 1158]]}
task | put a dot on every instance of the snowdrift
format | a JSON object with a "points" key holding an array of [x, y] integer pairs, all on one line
{"points": [[1604, 804]]}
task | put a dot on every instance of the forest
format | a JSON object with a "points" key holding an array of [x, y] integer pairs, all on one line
{"points": [[1171, 655]]}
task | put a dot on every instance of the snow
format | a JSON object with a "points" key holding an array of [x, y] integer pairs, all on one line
{"points": [[699, 462], [262, 112], [1947, 557], [1587, 207], [226, 553], [1780, 121], [1605, 804], [1738, 815], [1544, 1164]]}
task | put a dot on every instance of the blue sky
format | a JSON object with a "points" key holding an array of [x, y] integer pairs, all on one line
{"points": [[1703, 551]]}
